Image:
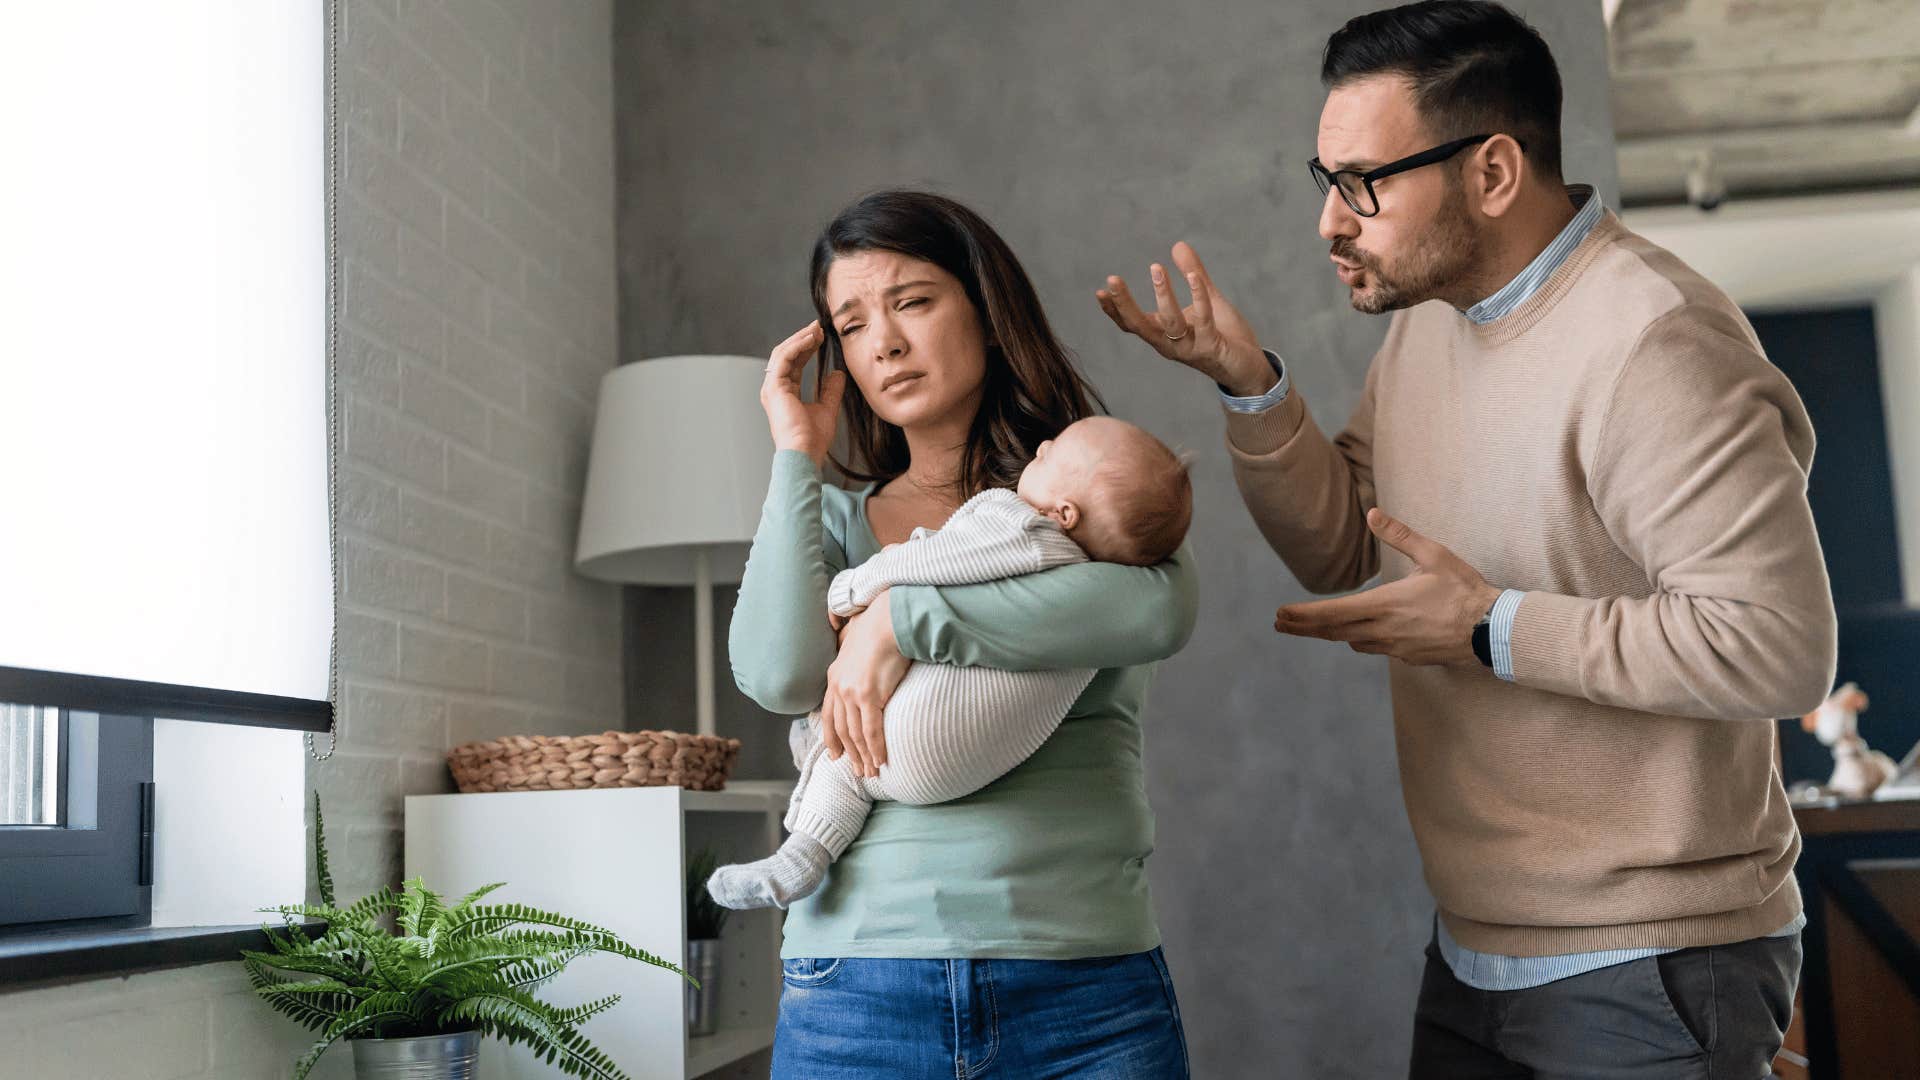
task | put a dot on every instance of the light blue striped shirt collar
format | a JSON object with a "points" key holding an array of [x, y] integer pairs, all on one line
{"points": [[1528, 281]]}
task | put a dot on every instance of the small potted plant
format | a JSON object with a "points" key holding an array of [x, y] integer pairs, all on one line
{"points": [[415, 1003], [705, 920]]}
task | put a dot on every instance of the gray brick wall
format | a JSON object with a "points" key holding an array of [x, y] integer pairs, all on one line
{"points": [[480, 313]]}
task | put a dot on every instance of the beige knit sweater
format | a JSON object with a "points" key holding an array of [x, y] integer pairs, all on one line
{"points": [[1620, 449]]}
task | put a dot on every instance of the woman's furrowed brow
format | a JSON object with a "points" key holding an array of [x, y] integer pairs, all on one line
{"points": [[890, 290]]}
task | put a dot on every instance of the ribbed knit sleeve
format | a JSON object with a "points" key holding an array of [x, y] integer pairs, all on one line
{"points": [[995, 535]]}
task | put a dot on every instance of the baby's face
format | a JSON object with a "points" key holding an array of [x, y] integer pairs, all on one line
{"points": [[1062, 468]]}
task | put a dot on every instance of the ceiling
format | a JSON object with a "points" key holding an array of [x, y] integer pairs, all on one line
{"points": [[1786, 96]]}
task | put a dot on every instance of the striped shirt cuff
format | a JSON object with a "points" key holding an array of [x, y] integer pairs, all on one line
{"points": [[1260, 403], [1502, 615]]}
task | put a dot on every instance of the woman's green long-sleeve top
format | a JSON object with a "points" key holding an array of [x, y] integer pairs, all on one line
{"points": [[1049, 861]]}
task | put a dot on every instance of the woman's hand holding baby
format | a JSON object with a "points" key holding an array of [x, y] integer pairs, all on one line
{"points": [[798, 424], [860, 682]]}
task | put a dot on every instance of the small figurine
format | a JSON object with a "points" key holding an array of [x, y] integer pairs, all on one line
{"points": [[1857, 768]]}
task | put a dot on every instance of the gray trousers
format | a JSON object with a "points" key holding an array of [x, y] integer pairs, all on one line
{"points": [[1712, 1013]]}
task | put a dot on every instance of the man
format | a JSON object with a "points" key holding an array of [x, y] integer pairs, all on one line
{"points": [[1602, 577]]}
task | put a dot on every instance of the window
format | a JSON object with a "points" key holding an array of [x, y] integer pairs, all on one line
{"points": [[74, 842], [164, 422], [32, 788]]}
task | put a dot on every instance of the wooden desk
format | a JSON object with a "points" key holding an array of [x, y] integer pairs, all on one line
{"points": [[1859, 869]]}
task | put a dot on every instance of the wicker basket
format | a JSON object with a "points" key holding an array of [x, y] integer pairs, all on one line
{"points": [[611, 759]]}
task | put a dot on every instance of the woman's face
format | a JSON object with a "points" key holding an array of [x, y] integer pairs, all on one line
{"points": [[912, 340]]}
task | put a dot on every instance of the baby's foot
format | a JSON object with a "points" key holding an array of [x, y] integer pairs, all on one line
{"points": [[789, 874]]}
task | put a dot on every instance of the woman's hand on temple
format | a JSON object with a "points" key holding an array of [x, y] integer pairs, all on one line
{"points": [[797, 424], [1209, 335], [860, 682]]}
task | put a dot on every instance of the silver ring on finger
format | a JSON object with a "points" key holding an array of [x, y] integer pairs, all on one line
{"points": [[1178, 336]]}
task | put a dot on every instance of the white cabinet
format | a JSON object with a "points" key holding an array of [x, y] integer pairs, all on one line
{"points": [[617, 857]]}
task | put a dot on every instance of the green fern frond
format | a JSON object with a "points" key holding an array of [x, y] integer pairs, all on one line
{"points": [[372, 906], [618, 947], [509, 1020], [584, 941], [466, 902], [493, 918], [502, 1004], [312, 1015], [326, 966], [313, 1005], [491, 954], [366, 909], [500, 918], [322, 876], [289, 913], [424, 946], [580, 1014], [258, 973], [306, 987], [419, 906], [368, 1014], [385, 957], [579, 1057], [543, 1046], [531, 974]]}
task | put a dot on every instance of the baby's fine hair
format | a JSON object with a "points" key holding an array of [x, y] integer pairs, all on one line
{"points": [[1149, 501]]}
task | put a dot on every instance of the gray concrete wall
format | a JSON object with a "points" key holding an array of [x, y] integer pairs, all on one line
{"points": [[1092, 135]]}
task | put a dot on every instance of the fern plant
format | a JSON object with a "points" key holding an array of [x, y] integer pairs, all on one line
{"points": [[705, 917], [451, 967]]}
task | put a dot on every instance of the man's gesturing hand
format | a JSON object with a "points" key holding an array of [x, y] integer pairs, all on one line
{"points": [[1426, 617], [1208, 335]]}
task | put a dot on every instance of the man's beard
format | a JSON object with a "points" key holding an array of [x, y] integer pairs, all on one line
{"points": [[1445, 256]]}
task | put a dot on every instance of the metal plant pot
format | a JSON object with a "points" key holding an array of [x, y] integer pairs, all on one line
{"points": [[428, 1057], [703, 963]]}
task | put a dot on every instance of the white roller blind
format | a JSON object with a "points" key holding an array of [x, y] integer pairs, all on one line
{"points": [[163, 511]]}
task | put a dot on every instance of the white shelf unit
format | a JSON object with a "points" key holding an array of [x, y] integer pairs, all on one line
{"points": [[617, 857]]}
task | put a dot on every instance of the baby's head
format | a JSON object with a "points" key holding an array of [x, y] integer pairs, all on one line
{"points": [[1116, 490]]}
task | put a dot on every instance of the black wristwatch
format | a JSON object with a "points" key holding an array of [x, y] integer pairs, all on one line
{"points": [[1483, 639]]}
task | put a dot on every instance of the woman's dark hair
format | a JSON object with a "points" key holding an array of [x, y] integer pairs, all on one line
{"points": [[1476, 69], [1033, 390]]}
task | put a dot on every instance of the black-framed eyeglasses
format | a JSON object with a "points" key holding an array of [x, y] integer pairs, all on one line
{"points": [[1356, 187]]}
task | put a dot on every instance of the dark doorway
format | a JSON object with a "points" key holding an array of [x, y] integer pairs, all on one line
{"points": [[1833, 359]]}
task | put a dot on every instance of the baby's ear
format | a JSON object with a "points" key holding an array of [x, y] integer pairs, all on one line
{"points": [[1065, 514]]}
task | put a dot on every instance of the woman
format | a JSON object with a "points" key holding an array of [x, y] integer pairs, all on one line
{"points": [[1008, 933]]}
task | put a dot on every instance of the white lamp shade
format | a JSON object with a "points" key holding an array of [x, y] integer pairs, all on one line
{"points": [[680, 465]]}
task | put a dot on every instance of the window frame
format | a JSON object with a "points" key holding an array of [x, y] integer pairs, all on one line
{"points": [[65, 872]]}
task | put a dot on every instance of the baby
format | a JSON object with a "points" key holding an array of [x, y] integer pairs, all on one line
{"points": [[1104, 490]]}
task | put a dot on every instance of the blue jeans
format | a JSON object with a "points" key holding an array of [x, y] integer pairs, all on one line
{"points": [[1107, 1018]]}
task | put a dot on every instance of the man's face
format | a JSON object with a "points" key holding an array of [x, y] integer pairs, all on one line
{"points": [[1423, 242]]}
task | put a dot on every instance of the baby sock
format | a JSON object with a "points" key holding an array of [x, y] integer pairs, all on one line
{"points": [[789, 874]]}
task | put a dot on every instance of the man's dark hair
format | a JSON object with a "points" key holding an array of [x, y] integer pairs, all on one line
{"points": [[1476, 68]]}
